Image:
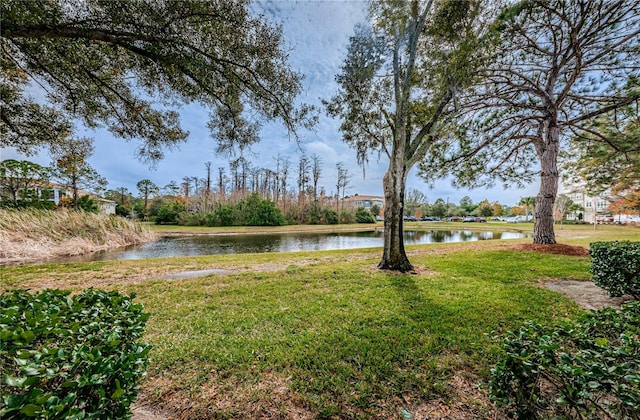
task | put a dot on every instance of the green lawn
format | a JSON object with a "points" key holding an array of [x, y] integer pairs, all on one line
{"points": [[326, 334]]}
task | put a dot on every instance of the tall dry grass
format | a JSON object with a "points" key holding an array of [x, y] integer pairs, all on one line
{"points": [[40, 234]]}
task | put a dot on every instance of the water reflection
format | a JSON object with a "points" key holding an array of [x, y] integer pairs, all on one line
{"points": [[240, 244]]}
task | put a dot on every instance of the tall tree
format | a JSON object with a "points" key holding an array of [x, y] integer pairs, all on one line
{"points": [[18, 177], [316, 171], [284, 176], [71, 169], [484, 209], [146, 188], [222, 180], [304, 166], [467, 204], [171, 189], [110, 62], [559, 65], [439, 208], [563, 205], [186, 186], [397, 89], [529, 204], [414, 200], [207, 185], [342, 182]]}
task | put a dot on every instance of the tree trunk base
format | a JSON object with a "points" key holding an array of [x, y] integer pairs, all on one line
{"points": [[544, 241], [403, 266]]}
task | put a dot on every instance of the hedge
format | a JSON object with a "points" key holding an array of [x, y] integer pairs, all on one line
{"points": [[70, 357], [615, 267], [588, 368]]}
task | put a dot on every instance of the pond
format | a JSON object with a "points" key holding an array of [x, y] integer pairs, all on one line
{"points": [[176, 246]]}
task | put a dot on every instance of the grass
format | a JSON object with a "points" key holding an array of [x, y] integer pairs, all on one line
{"points": [[29, 234], [326, 334]]}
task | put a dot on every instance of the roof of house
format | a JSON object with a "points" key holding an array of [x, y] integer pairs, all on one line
{"points": [[364, 197]]}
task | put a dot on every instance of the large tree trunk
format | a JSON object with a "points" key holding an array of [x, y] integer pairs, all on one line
{"points": [[393, 255], [543, 232]]}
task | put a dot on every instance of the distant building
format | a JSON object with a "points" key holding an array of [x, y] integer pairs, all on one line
{"points": [[366, 201], [56, 193], [595, 207]]}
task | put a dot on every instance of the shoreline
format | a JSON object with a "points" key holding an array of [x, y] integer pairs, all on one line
{"points": [[20, 251]]}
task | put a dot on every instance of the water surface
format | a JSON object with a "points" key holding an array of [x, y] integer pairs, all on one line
{"points": [[176, 246]]}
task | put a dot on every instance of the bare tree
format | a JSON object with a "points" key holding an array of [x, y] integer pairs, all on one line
{"points": [[342, 182], [221, 182], [186, 186], [316, 170], [414, 200], [303, 178], [207, 186], [284, 176]]}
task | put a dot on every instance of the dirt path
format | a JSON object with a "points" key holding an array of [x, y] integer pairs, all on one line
{"points": [[587, 294]]}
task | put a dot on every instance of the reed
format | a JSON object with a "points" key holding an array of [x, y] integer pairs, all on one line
{"points": [[34, 234]]}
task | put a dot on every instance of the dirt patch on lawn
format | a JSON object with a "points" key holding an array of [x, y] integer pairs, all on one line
{"points": [[559, 249], [585, 293]]}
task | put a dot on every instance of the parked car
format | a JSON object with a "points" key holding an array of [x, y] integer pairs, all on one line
{"points": [[430, 219], [469, 219], [455, 219], [480, 220]]}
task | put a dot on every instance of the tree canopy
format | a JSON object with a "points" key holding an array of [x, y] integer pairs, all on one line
{"points": [[557, 66], [125, 65], [71, 169], [607, 156]]}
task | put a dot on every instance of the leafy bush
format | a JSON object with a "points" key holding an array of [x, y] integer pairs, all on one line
{"points": [[330, 216], [70, 357], [257, 211], [615, 267], [87, 204], [588, 368], [364, 216], [224, 215], [347, 217], [169, 213]]}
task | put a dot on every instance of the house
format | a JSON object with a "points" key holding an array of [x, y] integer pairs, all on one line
{"points": [[366, 201], [598, 208], [57, 193], [595, 207]]}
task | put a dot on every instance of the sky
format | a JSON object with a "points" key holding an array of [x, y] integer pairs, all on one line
{"points": [[316, 35]]}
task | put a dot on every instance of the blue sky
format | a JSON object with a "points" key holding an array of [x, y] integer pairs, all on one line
{"points": [[316, 33]]}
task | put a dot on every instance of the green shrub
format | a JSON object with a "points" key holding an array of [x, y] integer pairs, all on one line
{"points": [[331, 217], [87, 204], [364, 216], [255, 211], [64, 357], [615, 267], [169, 213], [224, 215], [347, 217], [588, 368]]}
